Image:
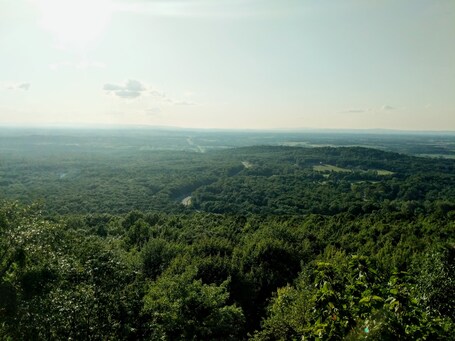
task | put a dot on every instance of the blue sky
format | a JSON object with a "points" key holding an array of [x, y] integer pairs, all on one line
{"points": [[229, 63]]}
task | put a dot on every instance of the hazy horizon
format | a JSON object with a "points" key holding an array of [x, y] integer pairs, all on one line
{"points": [[249, 65], [304, 130]]}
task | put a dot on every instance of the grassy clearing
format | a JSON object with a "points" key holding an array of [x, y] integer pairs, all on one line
{"points": [[247, 164], [330, 168], [437, 156], [383, 172], [294, 143]]}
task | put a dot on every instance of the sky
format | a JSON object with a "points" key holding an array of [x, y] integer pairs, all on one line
{"points": [[230, 64]]}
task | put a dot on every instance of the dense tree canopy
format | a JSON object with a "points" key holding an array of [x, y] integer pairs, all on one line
{"points": [[291, 244]]}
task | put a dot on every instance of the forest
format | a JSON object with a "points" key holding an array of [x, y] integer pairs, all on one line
{"points": [[162, 236]]}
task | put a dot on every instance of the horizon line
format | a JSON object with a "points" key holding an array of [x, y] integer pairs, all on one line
{"points": [[101, 126]]}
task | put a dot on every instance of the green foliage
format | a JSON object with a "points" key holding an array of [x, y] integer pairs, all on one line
{"points": [[436, 280], [156, 256], [270, 248], [180, 307], [356, 304]]}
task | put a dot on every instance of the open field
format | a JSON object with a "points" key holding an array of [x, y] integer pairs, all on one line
{"points": [[330, 168], [383, 172]]}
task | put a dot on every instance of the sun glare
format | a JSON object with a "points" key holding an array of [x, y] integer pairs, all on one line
{"points": [[74, 24]]}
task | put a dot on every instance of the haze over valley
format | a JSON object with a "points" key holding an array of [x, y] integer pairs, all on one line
{"points": [[227, 170]]}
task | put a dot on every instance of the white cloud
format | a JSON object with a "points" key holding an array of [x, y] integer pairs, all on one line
{"points": [[134, 85], [112, 87], [127, 93], [24, 86], [386, 107], [19, 86], [130, 89]]}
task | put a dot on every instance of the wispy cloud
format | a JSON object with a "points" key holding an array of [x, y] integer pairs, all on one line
{"points": [[353, 111], [386, 107], [132, 89], [24, 86], [153, 112], [19, 86], [128, 90], [184, 103], [163, 98]]}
